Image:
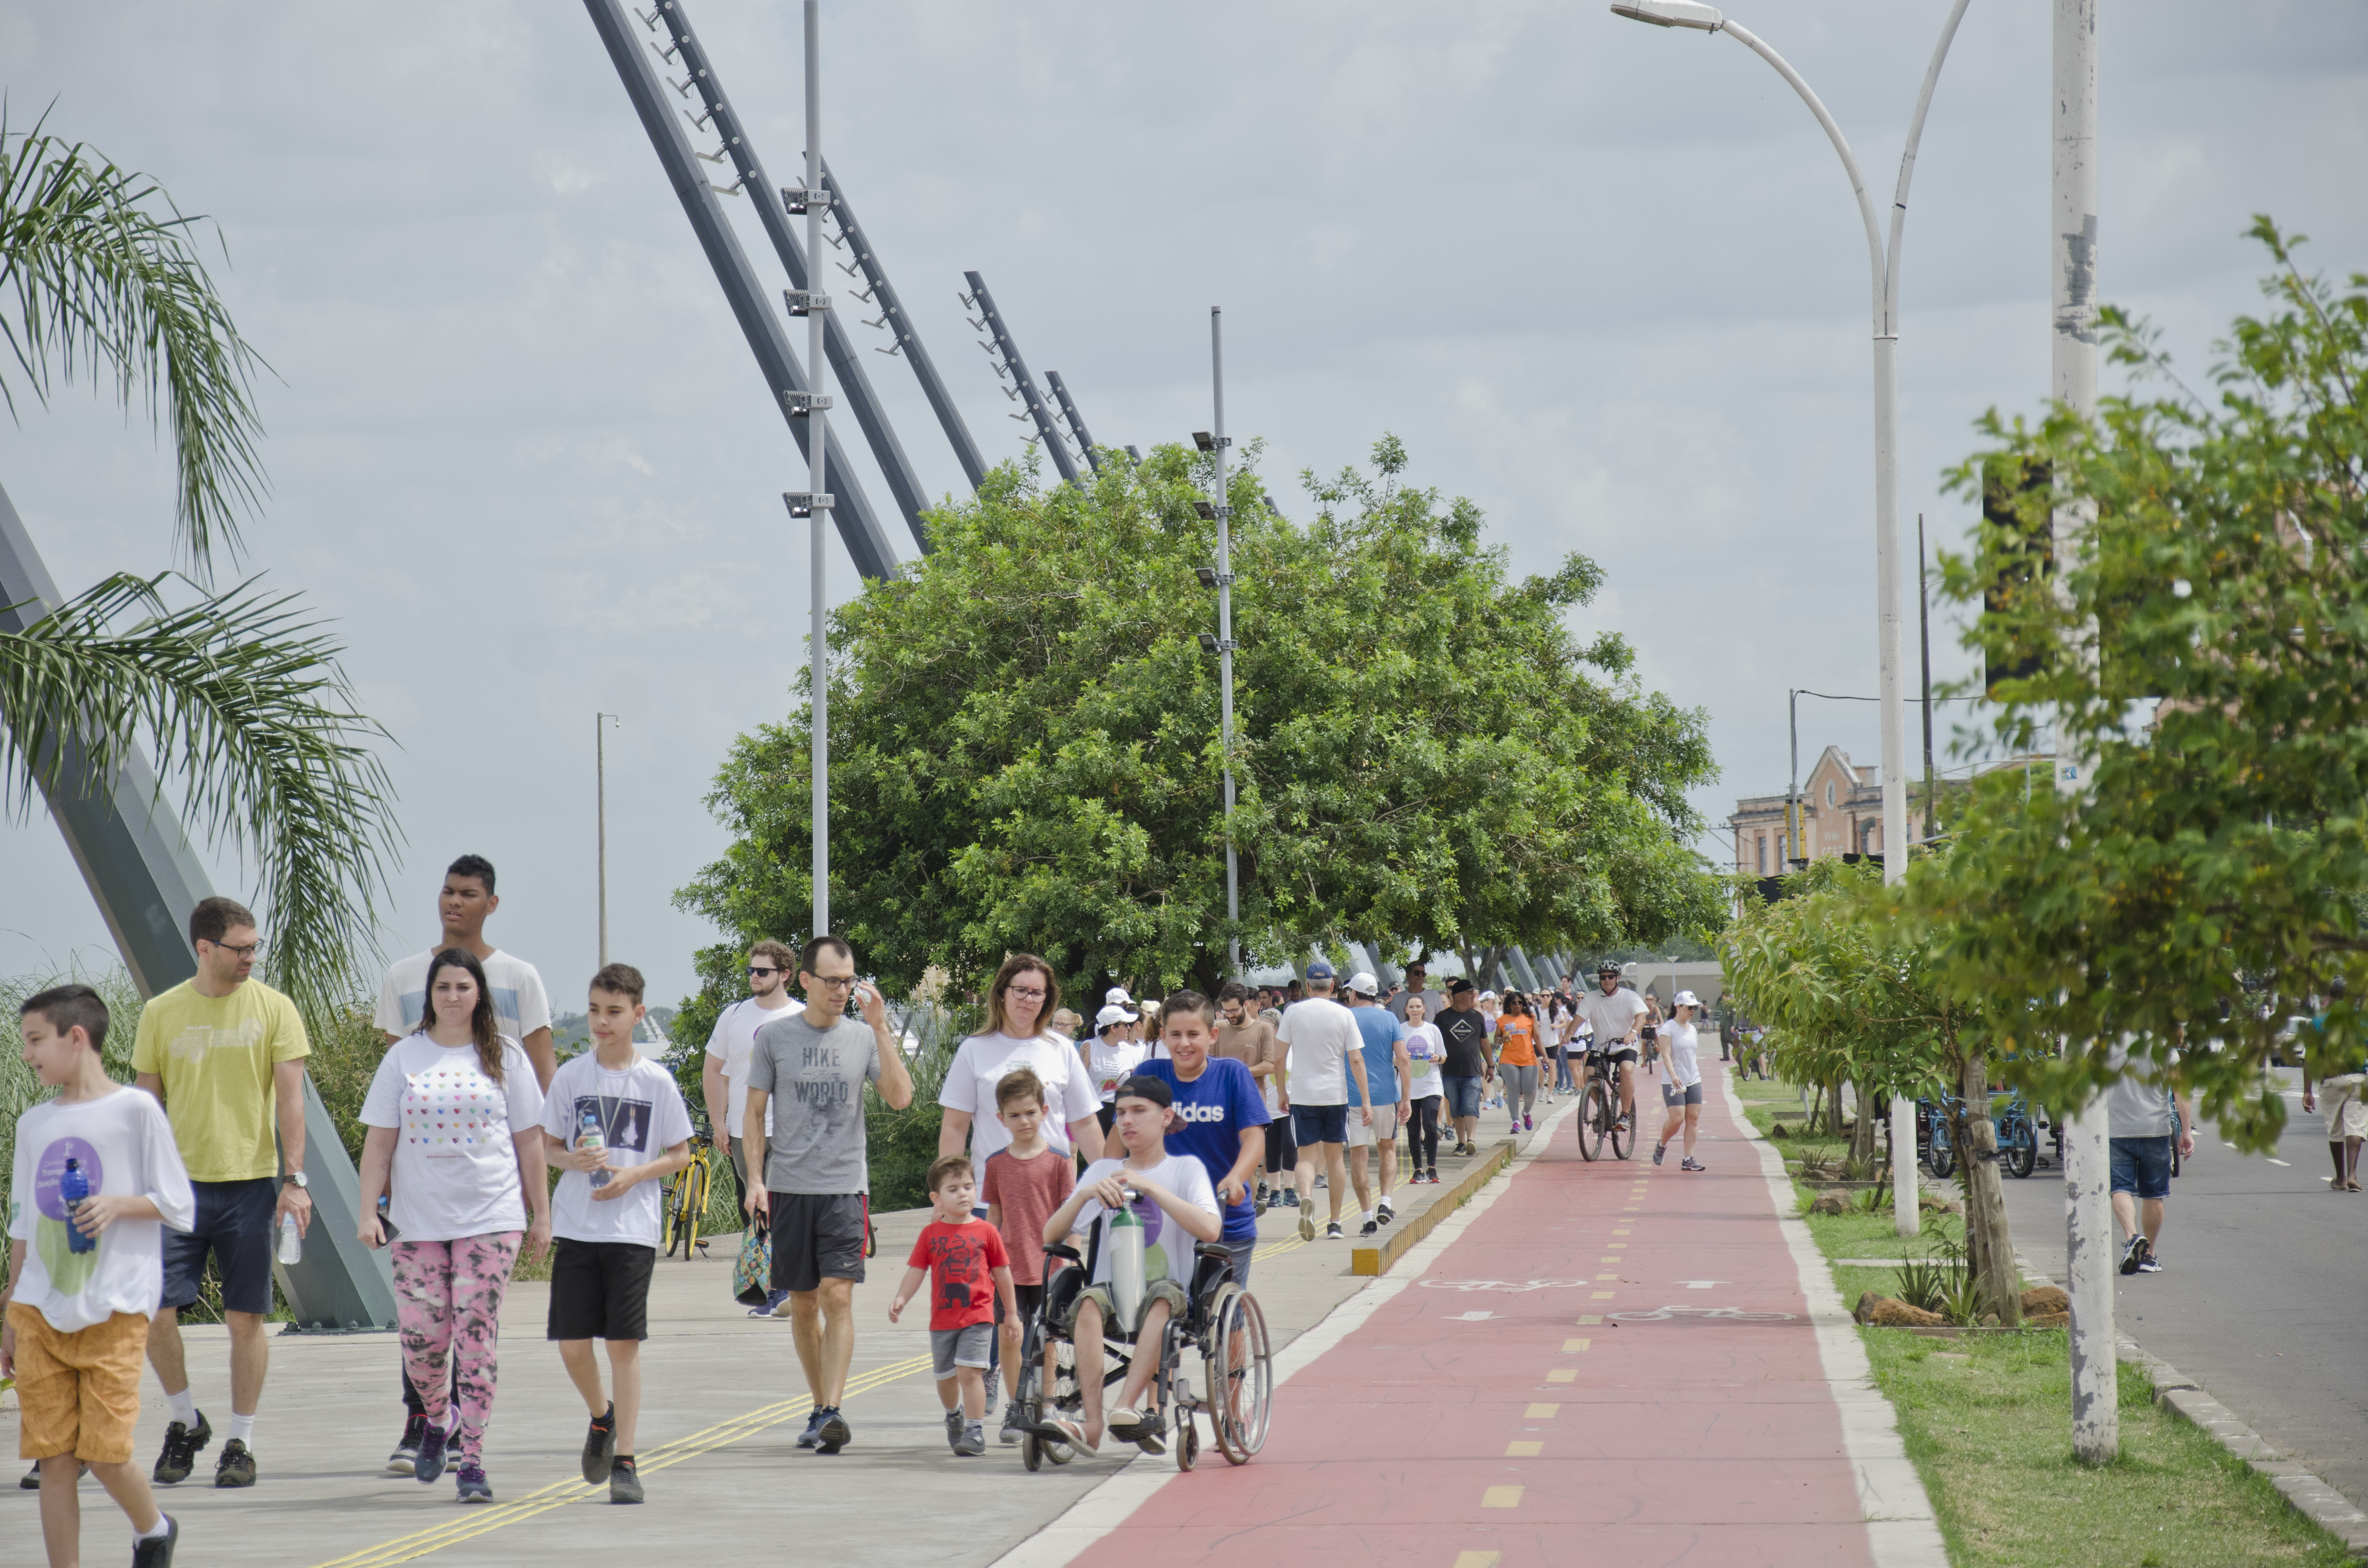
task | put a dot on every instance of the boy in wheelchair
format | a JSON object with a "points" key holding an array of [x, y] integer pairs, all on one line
{"points": [[1171, 1195]]}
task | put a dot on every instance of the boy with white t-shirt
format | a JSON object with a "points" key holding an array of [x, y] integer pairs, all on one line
{"points": [[98, 1178], [1171, 1195], [607, 1110]]}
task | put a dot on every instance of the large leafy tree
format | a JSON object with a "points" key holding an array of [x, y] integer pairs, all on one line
{"points": [[238, 695], [2204, 652], [1025, 749]]}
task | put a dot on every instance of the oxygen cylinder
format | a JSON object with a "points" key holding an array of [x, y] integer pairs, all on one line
{"points": [[1126, 1266]]}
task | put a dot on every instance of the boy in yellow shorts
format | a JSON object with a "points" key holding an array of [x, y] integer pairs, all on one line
{"points": [[98, 1178]]}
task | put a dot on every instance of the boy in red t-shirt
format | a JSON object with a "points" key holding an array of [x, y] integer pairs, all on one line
{"points": [[1024, 1185], [973, 1274]]}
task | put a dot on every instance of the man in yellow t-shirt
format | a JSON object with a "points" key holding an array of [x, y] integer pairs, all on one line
{"points": [[226, 1055]]}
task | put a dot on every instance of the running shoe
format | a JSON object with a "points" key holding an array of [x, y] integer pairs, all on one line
{"points": [[181, 1448], [471, 1485], [600, 1448], [954, 1430], [236, 1466], [1433, 1178], [1384, 1212], [812, 1434], [773, 1299], [1306, 1226], [156, 1552], [1323, 1183], [1290, 1197], [2152, 1261], [432, 1441], [1014, 1430], [1690, 1164], [2134, 1255], [1332, 1230], [1370, 1228], [1529, 1123], [1659, 1150], [973, 1441], [625, 1481], [407, 1452], [835, 1434], [994, 1381]]}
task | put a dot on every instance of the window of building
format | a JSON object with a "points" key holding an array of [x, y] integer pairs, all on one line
{"points": [[1830, 792]]}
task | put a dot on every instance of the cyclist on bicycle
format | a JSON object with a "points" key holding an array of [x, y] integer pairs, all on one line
{"points": [[1614, 1014]]}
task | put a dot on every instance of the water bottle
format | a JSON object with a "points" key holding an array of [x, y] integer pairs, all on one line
{"points": [[291, 1242], [1126, 1266], [73, 1187], [588, 1137]]}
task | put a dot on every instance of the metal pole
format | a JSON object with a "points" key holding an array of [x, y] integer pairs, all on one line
{"points": [[1069, 412], [820, 645], [2088, 1213], [601, 812], [1225, 630], [1924, 641], [1023, 384], [1792, 789]]}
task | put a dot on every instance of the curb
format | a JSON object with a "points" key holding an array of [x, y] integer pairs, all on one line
{"points": [[1377, 1260]]}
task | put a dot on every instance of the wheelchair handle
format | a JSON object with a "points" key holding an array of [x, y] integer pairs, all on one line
{"points": [[1062, 1249]]}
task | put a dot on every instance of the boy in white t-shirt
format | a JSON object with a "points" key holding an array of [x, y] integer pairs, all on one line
{"points": [[1171, 1195], [608, 1109], [98, 1178]]}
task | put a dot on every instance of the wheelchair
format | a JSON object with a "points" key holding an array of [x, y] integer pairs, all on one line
{"points": [[1221, 1322]]}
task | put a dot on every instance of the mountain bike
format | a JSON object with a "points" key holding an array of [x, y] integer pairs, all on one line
{"points": [[1598, 1110], [683, 1199]]}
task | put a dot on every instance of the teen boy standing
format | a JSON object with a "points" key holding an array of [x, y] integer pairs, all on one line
{"points": [[97, 1180], [1218, 1118], [605, 1214]]}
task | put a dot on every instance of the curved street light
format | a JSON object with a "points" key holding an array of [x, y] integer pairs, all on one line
{"points": [[1883, 260]]}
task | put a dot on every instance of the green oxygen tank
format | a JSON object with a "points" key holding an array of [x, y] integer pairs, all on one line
{"points": [[1126, 1265]]}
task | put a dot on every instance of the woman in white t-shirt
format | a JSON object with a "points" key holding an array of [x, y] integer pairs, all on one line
{"points": [[455, 1124], [1426, 1049], [1683, 1093], [1024, 992], [1112, 1056]]}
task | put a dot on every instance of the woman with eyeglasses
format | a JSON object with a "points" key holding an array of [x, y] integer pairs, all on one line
{"points": [[1023, 994]]}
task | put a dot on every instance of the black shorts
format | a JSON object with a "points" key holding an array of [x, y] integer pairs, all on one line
{"points": [[817, 1236], [600, 1289], [235, 1224], [1627, 1053]]}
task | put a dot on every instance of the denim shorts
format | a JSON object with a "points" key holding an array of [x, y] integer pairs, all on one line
{"points": [[2142, 1166], [233, 1223], [1463, 1096]]}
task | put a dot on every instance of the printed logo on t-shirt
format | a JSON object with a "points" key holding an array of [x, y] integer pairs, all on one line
{"points": [[195, 1040], [447, 1110], [70, 1258], [623, 1123], [1201, 1112]]}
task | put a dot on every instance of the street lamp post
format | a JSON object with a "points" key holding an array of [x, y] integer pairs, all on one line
{"points": [[1216, 441], [600, 722], [1883, 259], [818, 369]]}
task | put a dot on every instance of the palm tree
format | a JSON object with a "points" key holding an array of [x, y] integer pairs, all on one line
{"points": [[237, 694]]}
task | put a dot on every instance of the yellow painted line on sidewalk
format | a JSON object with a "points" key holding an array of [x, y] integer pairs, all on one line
{"points": [[1570, 1347], [1600, 1295], [1563, 1375], [1524, 1450], [1590, 1320], [1541, 1412], [1477, 1559], [1501, 1497], [477, 1522]]}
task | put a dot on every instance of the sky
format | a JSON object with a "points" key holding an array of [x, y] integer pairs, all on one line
{"points": [[1606, 280]]}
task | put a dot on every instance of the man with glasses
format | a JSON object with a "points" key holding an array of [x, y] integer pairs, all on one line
{"points": [[724, 1075], [226, 1055], [814, 1164], [522, 1010]]}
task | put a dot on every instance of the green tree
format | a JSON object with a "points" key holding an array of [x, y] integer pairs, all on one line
{"points": [[236, 695], [2204, 649], [1025, 747]]}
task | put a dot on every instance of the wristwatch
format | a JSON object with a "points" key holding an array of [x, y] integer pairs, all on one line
{"points": [[298, 1177]]}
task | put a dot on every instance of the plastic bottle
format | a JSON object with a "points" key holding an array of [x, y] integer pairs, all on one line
{"points": [[1126, 1265], [292, 1242], [588, 1138], [73, 1187]]}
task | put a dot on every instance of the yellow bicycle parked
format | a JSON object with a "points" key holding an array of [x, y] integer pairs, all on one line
{"points": [[683, 1200]]}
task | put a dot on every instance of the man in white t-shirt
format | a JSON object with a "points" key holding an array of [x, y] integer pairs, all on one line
{"points": [[724, 1076], [522, 1010], [1325, 1052], [1614, 1014]]}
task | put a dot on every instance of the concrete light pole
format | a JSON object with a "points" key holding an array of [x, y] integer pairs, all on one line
{"points": [[1217, 441], [1884, 260], [818, 368]]}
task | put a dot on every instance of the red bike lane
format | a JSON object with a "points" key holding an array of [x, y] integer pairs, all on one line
{"points": [[1611, 1358]]}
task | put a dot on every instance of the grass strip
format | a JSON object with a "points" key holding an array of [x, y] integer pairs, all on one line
{"points": [[1987, 1420]]}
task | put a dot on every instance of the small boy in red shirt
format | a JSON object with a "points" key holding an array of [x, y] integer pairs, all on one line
{"points": [[1024, 1185], [973, 1274]]}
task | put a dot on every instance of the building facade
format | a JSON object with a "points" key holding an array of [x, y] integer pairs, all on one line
{"points": [[1840, 813]]}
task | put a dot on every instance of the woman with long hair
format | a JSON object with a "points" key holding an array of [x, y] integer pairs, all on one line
{"points": [[1024, 993], [455, 1121], [1517, 1057]]}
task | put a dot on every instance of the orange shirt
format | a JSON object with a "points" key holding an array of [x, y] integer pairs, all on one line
{"points": [[1520, 1036]]}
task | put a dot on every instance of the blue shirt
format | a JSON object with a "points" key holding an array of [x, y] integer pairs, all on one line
{"points": [[1215, 1106], [1381, 1032]]}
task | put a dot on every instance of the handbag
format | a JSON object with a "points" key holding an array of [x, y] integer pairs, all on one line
{"points": [[752, 1272]]}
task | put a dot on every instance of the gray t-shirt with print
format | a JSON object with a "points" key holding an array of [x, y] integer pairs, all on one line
{"points": [[815, 1080]]}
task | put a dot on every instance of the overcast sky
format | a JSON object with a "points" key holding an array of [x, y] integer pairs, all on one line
{"points": [[1604, 279]]}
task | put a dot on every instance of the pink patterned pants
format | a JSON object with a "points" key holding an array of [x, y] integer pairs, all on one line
{"points": [[448, 1303]]}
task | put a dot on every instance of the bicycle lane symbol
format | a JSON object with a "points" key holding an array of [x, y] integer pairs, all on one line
{"points": [[1503, 1284], [1726, 1314]]}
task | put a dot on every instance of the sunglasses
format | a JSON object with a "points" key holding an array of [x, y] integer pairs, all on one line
{"points": [[757, 974]]}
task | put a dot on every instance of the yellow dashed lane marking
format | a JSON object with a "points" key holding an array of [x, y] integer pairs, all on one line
{"points": [[1571, 1346], [1600, 1295], [1477, 1559], [1501, 1497], [1541, 1412], [1563, 1375], [1524, 1450]]}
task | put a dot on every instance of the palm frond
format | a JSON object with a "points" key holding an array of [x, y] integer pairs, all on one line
{"points": [[241, 698], [99, 276]]}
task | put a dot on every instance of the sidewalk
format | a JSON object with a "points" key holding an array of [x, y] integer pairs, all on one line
{"points": [[1608, 1359]]}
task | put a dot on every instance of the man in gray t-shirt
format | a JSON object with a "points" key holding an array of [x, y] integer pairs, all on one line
{"points": [[2142, 1119], [811, 1067]]}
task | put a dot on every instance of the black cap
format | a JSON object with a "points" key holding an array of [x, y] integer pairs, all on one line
{"points": [[1143, 1087], [1458, 986]]}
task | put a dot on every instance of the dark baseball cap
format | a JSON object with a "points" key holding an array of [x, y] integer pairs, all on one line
{"points": [[1319, 970], [1458, 986], [1143, 1087]]}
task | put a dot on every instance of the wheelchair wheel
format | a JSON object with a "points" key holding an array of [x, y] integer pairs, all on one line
{"points": [[1031, 1452], [1188, 1439], [1241, 1376], [1594, 1116]]}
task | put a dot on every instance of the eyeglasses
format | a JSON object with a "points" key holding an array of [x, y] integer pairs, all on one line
{"points": [[247, 951], [836, 981], [757, 973], [1026, 994]]}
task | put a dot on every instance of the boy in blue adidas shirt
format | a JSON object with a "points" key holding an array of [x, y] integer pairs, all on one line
{"points": [[1219, 1117]]}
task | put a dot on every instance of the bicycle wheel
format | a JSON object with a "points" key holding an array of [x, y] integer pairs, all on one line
{"points": [[1241, 1376], [1623, 1137], [2022, 1154], [670, 1213], [1943, 1159], [1593, 1115], [694, 1207]]}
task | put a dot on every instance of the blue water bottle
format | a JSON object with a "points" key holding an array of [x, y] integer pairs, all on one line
{"points": [[73, 1187]]}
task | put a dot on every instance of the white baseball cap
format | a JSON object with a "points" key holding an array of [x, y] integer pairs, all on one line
{"points": [[1363, 983], [1686, 999], [1114, 1014]]}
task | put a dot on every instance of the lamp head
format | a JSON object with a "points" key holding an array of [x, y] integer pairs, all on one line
{"points": [[1201, 440], [1670, 14]]}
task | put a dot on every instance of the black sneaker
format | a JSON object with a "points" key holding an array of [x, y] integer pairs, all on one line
{"points": [[156, 1552], [601, 1447], [1690, 1164], [624, 1481], [2152, 1261], [1368, 1228], [435, 1445], [812, 1434], [181, 1448], [835, 1434], [236, 1466], [1383, 1212], [2132, 1258], [1659, 1150], [1332, 1230], [407, 1452]]}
